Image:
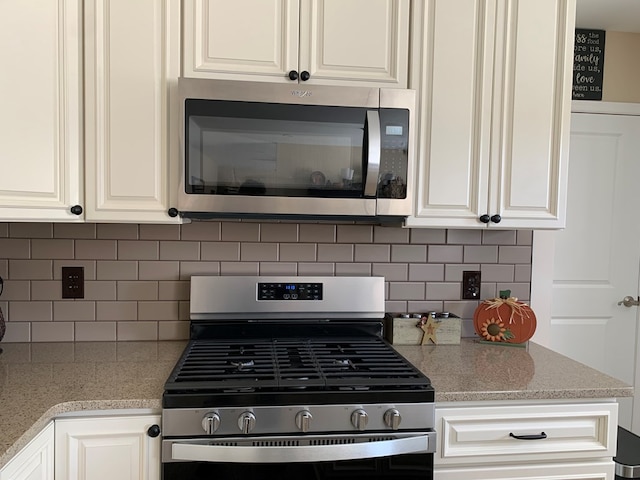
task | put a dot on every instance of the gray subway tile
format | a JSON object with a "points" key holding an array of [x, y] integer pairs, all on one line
{"points": [[159, 232], [158, 270], [74, 230], [354, 233], [355, 269], [15, 248], [406, 291], [138, 250], [173, 290], [200, 231], [116, 270], [239, 268], [240, 232], [317, 233], [464, 237], [52, 332], [453, 272], [169, 330], [116, 311], [332, 252], [222, 251], [100, 290], [395, 307], [17, 332], [17, 290], [521, 291], [278, 268], [30, 312], [74, 311], [30, 230], [257, 252], [30, 269], [499, 237], [445, 253], [428, 236], [390, 235], [424, 306], [52, 248], [316, 268], [279, 232], [524, 237], [187, 269], [95, 331], [4, 230], [117, 231], [443, 291], [497, 273], [522, 273], [425, 272], [392, 272], [96, 249], [372, 253], [46, 290], [137, 290], [461, 308], [480, 254], [297, 252], [161, 310], [137, 331], [515, 254], [409, 253], [170, 250]]}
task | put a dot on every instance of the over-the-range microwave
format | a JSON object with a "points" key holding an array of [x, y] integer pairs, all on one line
{"points": [[262, 150]]}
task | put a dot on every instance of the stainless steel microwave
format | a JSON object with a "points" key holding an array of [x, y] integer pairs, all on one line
{"points": [[261, 150]]}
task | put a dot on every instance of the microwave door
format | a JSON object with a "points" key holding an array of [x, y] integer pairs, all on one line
{"points": [[372, 153]]}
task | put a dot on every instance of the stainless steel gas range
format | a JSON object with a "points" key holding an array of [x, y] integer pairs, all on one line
{"points": [[290, 376]]}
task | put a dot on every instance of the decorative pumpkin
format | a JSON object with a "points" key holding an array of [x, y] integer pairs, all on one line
{"points": [[504, 320]]}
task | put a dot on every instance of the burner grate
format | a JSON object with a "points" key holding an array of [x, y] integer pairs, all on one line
{"points": [[292, 364]]}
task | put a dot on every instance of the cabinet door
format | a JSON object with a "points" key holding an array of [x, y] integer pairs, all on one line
{"points": [[105, 448], [132, 66], [40, 95], [532, 105], [242, 40], [364, 42], [454, 51], [33, 462], [560, 471]]}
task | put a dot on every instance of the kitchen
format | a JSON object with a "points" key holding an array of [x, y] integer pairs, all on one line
{"points": [[137, 274]]}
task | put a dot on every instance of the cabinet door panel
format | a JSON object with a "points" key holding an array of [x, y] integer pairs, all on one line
{"points": [[132, 66], [362, 40], [455, 85], [40, 94], [603, 470], [34, 461], [106, 448], [242, 39], [534, 104]]}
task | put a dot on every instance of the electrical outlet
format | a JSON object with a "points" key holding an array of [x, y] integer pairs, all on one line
{"points": [[72, 282], [470, 285]]}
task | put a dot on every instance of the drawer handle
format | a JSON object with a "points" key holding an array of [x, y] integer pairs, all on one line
{"points": [[529, 437]]}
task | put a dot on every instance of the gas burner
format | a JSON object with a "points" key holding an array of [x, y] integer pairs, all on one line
{"points": [[243, 366]]}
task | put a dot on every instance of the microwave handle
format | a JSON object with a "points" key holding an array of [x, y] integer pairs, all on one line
{"points": [[373, 153]]}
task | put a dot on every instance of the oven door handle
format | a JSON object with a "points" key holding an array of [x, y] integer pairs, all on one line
{"points": [[198, 452]]}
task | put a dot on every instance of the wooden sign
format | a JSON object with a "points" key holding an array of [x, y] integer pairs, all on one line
{"points": [[588, 64]]}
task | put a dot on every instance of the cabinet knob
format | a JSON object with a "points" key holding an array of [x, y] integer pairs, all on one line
{"points": [[76, 210], [153, 431], [293, 75], [496, 218], [485, 218], [304, 76], [173, 212]]}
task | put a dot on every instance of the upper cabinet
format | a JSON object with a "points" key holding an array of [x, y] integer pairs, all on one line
{"points": [[132, 64], [338, 42], [40, 113], [494, 80]]}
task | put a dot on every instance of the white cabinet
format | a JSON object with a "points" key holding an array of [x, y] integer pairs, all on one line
{"points": [[494, 80], [108, 156], [526, 441], [40, 113], [132, 63], [34, 461], [105, 448], [342, 42]]}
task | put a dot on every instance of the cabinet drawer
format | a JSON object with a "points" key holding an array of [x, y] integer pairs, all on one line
{"points": [[601, 470], [487, 434]]}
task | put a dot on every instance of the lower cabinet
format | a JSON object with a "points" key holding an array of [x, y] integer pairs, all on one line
{"points": [[34, 461], [526, 441], [107, 448]]}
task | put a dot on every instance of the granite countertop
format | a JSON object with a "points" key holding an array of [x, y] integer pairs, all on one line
{"points": [[40, 381]]}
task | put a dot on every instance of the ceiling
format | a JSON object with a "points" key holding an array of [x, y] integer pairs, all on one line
{"points": [[614, 15]]}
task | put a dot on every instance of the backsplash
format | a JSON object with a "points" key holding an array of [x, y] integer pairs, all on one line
{"points": [[137, 276]]}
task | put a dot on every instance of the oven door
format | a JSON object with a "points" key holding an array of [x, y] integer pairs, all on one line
{"points": [[374, 457]]}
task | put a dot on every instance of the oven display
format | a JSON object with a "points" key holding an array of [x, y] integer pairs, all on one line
{"points": [[289, 291]]}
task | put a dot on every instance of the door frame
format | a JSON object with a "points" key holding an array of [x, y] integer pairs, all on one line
{"points": [[543, 247]]}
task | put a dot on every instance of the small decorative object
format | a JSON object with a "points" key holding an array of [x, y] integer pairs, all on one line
{"points": [[430, 328], [504, 320]]}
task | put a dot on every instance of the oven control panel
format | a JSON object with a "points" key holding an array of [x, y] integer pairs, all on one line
{"points": [[289, 291]]}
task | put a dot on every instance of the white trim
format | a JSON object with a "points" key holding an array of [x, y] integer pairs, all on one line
{"points": [[611, 108]]}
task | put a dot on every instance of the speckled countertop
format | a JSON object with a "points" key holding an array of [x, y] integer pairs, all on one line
{"points": [[39, 381]]}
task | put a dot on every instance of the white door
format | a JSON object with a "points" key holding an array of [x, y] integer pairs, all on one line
{"points": [[597, 256]]}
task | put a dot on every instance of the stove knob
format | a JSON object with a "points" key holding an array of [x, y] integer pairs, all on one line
{"points": [[246, 422], [392, 418], [359, 419], [303, 420], [211, 422]]}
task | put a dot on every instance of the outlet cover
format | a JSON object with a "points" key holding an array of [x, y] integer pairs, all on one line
{"points": [[470, 285], [72, 282]]}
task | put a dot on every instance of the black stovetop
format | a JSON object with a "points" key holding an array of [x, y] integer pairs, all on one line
{"points": [[234, 369]]}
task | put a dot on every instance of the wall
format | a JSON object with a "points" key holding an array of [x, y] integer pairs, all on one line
{"points": [[137, 276], [621, 67]]}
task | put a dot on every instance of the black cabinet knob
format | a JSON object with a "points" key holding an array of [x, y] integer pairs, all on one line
{"points": [[304, 76], [485, 218], [76, 210], [293, 75], [153, 431], [496, 218], [173, 212]]}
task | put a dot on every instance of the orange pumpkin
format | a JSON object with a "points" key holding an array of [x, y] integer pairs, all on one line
{"points": [[504, 320]]}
